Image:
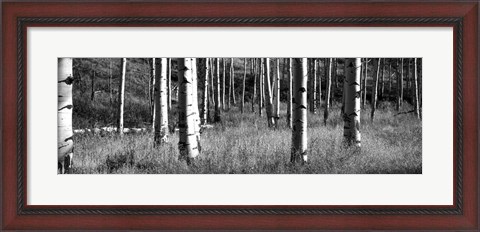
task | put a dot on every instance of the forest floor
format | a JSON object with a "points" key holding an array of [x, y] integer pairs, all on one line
{"points": [[243, 144]]}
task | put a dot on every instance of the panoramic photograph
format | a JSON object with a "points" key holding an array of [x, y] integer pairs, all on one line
{"points": [[240, 115]]}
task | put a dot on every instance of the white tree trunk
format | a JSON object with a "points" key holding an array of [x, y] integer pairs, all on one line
{"points": [[299, 116], [229, 103], [382, 87], [161, 103], [254, 74], [397, 75], [351, 116], [243, 86], [195, 99], [211, 100], [205, 92], [110, 82], [419, 84], [334, 84], [327, 94], [376, 74], [335, 74], [188, 143], [153, 93], [365, 78], [121, 96], [289, 107], [169, 83], [313, 73], [268, 92], [344, 86], [273, 83], [261, 88], [401, 83], [65, 109], [273, 80], [319, 84], [390, 77], [277, 94], [417, 102], [232, 78], [223, 84], [92, 96], [218, 101], [407, 77]]}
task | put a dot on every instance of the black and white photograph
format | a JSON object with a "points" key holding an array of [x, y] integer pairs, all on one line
{"points": [[240, 115]]}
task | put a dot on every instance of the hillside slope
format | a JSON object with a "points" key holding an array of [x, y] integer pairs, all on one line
{"points": [[104, 75]]}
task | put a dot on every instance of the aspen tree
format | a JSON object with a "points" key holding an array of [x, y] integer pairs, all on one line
{"points": [[351, 116], [243, 86], [149, 93], [195, 100], [212, 81], [223, 84], [230, 86], [161, 104], [205, 92], [313, 95], [274, 89], [261, 88], [419, 84], [397, 82], [390, 77], [327, 92], [211, 95], [412, 78], [169, 83], [362, 78], [407, 77], [232, 79], [268, 92], [376, 74], [382, 87], [254, 74], [417, 104], [153, 80], [334, 80], [299, 116], [319, 82], [290, 79], [344, 86], [147, 90], [364, 87], [188, 142], [277, 94], [218, 102], [110, 83], [92, 96], [65, 108], [365, 77], [121, 96], [335, 74], [401, 84], [328, 72]]}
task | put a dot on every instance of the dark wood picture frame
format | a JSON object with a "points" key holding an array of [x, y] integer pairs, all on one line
{"points": [[462, 16]]}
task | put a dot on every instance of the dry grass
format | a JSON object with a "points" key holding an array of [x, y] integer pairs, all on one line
{"points": [[244, 144]]}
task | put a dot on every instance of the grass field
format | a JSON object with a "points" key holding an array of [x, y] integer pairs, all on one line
{"points": [[243, 144]]}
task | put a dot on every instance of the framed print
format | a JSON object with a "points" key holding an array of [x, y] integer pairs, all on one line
{"points": [[243, 115]]}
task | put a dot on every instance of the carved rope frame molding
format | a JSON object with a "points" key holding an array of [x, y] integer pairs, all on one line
{"points": [[238, 210]]}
